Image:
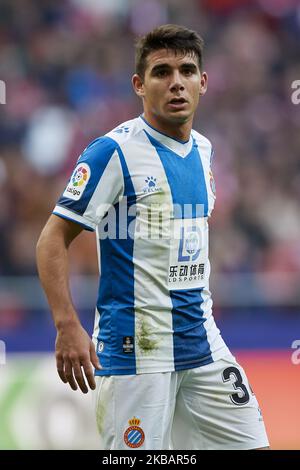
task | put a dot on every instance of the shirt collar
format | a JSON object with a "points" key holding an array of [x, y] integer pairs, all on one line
{"points": [[181, 148]]}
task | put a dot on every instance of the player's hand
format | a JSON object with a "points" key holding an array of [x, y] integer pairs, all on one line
{"points": [[75, 352]]}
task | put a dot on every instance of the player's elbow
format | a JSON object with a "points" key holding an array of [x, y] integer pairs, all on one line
{"points": [[46, 239], [42, 243]]}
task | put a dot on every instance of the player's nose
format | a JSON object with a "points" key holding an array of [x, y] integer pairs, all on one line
{"points": [[176, 82]]}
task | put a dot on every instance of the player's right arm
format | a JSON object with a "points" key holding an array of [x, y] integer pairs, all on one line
{"points": [[95, 185], [74, 348]]}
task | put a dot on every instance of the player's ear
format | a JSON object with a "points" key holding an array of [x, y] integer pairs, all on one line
{"points": [[138, 85], [203, 83]]}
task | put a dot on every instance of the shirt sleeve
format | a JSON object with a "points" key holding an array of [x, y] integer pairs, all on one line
{"points": [[95, 185]]}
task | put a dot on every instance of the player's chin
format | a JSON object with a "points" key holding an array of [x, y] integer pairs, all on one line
{"points": [[184, 112], [179, 116]]}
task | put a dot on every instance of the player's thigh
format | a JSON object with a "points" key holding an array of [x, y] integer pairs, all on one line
{"points": [[135, 411], [217, 410]]}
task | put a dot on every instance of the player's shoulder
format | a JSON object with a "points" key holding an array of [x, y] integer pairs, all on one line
{"points": [[201, 139], [125, 131], [204, 144], [112, 139], [103, 147]]}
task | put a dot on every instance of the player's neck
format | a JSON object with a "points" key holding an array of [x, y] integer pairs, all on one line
{"points": [[178, 131]]}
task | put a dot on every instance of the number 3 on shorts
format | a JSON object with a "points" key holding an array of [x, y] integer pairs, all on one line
{"points": [[236, 398]]}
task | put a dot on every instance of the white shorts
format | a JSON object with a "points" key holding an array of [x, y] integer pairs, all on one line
{"points": [[209, 407]]}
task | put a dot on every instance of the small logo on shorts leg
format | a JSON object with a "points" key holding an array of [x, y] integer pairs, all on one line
{"points": [[128, 344], [134, 435]]}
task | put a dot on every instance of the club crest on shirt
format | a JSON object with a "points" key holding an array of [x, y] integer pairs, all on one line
{"points": [[134, 435], [78, 182]]}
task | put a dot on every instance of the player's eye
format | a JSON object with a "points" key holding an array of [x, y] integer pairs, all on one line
{"points": [[188, 72], [161, 73]]}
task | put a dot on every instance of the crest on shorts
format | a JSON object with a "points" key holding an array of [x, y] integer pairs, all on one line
{"points": [[134, 435]]}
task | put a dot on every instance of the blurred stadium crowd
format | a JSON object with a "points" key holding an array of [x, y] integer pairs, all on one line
{"points": [[67, 67]]}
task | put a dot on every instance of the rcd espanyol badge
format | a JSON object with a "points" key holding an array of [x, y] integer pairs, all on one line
{"points": [[134, 435]]}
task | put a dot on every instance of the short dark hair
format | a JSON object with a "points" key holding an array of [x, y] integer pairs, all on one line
{"points": [[168, 36]]}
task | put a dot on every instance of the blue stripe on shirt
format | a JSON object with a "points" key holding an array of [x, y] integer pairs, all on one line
{"points": [[187, 184], [116, 292], [186, 179]]}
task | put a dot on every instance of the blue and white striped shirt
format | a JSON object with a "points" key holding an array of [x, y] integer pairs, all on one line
{"points": [[148, 197]]}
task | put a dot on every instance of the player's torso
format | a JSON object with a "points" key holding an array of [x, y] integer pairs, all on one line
{"points": [[168, 195]]}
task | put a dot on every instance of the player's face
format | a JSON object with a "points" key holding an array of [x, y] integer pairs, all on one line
{"points": [[171, 86]]}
